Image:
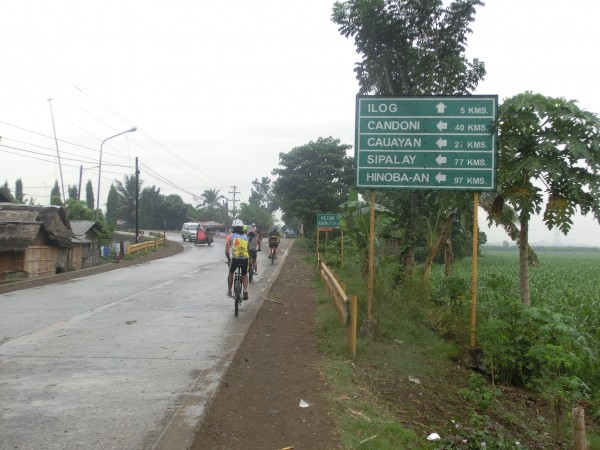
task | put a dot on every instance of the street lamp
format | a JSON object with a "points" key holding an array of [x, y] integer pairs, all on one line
{"points": [[131, 130]]}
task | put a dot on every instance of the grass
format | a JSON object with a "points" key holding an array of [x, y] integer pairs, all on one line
{"points": [[408, 382]]}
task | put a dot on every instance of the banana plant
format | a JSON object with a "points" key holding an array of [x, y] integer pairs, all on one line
{"points": [[355, 217]]}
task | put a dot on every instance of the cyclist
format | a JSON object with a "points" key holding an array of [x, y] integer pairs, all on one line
{"points": [[274, 238], [252, 249], [236, 245]]}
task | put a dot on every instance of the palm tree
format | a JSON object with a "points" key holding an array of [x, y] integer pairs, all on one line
{"points": [[126, 191], [210, 201]]}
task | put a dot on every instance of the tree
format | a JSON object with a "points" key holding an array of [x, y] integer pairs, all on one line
{"points": [[55, 197], [78, 210], [127, 191], [175, 211], [413, 47], [262, 193], [19, 191], [72, 192], [549, 159], [150, 208], [211, 201], [255, 213], [314, 178], [89, 194], [112, 206]]}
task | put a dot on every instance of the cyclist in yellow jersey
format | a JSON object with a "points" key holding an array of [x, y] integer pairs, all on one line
{"points": [[236, 250]]}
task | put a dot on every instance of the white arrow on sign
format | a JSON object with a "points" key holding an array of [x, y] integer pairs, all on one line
{"points": [[442, 125], [441, 160], [440, 177], [440, 108], [441, 142]]}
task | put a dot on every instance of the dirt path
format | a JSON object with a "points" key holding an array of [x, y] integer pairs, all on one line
{"points": [[275, 368]]}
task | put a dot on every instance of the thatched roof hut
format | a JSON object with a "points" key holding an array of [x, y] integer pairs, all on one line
{"points": [[6, 196], [21, 225], [34, 240]]}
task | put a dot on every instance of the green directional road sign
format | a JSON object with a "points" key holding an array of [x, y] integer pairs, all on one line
{"points": [[437, 143], [328, 220]]}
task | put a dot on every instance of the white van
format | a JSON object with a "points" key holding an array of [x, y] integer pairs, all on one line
{"points": [[189, 231]]}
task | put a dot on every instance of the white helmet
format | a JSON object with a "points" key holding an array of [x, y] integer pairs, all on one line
{"points": [[237, 223]]}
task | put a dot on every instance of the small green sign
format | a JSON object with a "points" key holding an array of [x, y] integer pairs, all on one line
{"points": [[328, 220]]}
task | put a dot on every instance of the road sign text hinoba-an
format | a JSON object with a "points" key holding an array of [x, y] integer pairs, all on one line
{"points": [[437, 143]]}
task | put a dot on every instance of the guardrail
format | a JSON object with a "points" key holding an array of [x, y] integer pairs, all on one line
{"points": [[346, 305], [148, 244]]}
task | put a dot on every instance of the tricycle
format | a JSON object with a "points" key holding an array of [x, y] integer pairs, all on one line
{"points": [[204, 236]]}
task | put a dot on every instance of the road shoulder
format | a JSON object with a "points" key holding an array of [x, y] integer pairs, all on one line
{"points": [[276, 368]]}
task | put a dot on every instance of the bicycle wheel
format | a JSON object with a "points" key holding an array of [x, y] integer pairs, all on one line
{"points": [[237, 291]]}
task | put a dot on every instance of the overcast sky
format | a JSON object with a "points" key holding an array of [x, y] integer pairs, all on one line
{"points": [[218, 89]]}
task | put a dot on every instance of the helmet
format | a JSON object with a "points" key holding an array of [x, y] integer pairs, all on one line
{"points": [[245, 227], [237, 223]]}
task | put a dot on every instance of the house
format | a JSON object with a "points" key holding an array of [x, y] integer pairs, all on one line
{"points": [[6, 196], [85, 251], [34, 241]]}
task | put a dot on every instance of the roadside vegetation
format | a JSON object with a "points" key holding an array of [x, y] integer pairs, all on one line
{"points": [[409, 381]]}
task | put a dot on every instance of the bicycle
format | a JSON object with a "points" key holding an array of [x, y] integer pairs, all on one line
{"points": [[250, 269], [237, 289], [272, 254]]}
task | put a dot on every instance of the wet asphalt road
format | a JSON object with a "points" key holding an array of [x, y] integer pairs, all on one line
{"points": [[125, 359]]}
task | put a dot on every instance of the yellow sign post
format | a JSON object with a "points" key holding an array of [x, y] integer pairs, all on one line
{"points": [[371, 280], [474, 274]]}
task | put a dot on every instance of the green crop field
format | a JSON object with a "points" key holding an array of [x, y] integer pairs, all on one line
{"points": [[566, 282], [552, 345]]}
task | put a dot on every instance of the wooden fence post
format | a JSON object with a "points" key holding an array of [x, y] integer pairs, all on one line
{"points": [[352, 324], [579, 442]]}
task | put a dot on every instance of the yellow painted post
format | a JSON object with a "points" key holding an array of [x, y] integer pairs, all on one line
{"points": [[474, 274], [371, 280], [342, 249], [352, 324], [318, 257]]}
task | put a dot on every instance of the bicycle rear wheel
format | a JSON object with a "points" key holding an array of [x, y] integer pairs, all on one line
{"points": [[237, 292]]}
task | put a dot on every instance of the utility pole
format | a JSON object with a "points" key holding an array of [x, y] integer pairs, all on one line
{"points": [[57, 153], [234, 200], [80, 179], [137, 199]]}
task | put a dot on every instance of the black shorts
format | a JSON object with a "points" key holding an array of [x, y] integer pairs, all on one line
{"points": [[253, 254], [242, 262], [273, 244]]}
